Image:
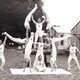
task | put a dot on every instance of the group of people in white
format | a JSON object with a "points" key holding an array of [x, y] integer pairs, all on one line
{"points": [[39, 64]]}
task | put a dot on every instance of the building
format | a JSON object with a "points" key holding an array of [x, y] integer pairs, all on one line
{"points": [[62, 46], [76, 35], [53, 32]]}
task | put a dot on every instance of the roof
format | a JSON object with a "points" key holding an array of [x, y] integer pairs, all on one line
{"points": [[61, 30], [75, 25]]}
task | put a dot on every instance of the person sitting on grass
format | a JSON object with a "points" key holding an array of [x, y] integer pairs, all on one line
{"points": [[39, 56], [40, 66], [2, 46]]}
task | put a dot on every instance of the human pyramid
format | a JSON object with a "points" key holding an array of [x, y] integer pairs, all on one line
{"points": [[39, 64]]}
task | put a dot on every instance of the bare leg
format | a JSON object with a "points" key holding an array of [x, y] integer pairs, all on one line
{"points": [[27, 32], [69, 60], [76, 60], [36, 37], [24, 66], [3, 62], [51, 66], [30, 65], [55, 65]]}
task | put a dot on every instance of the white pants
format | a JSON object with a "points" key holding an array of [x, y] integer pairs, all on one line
{"points": [[52, 60], [38, 34], [75, 58], [3, 60]]}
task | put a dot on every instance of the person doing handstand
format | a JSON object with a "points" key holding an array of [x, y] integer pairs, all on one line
{"points": [[2, 46], [27, 20], [40, 55], [28, 46], [28, 50], [54, 51]]}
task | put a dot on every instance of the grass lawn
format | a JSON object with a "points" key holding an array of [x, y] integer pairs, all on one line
{"points": [[14, 59]]}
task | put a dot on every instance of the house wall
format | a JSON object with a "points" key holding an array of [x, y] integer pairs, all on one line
{"points": [[66, 42], [60, 48], [76, 32], [53, 32]]}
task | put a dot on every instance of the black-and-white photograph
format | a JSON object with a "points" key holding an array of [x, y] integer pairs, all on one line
{"points": [[39, 40]]}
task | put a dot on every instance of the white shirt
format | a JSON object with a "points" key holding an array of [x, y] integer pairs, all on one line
{"points": [[54, 51], [40, 63], [38, 27], [73, 50], [40, 46]]}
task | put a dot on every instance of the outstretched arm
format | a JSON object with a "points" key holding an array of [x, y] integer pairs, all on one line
{"points": [[17, 40], [60, 39], [28, 18]]}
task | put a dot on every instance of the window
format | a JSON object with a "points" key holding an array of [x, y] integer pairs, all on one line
{"points": [[62, 42]]}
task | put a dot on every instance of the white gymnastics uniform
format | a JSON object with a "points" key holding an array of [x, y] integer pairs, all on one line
{"points": [[39, 52], [72, 53], [53, 53], [1, 53], [28, 18], [39, 31], [40, 66], [28, 48]]}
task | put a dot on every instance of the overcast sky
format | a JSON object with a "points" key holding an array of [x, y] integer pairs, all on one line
{"points": [[65, 13]]}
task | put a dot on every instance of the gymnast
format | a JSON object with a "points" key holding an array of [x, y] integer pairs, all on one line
{"points": [[39, 26], [27, 20], [2, 46], [54, 51], [28, 50], [28, 46], [73, 49], [39, 57]]}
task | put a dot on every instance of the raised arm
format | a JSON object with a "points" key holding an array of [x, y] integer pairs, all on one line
{"points": [[78, 50], [4, 42], [34, 20], [28, 18], [43, 20], [30, 14], [17, 40], [48, 22], [60, 39]]}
